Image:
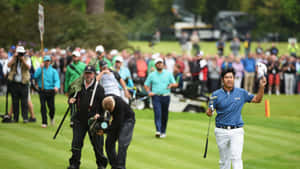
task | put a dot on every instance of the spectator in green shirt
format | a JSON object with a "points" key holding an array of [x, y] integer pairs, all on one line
{"points": [[74, 70], [293, 48]]}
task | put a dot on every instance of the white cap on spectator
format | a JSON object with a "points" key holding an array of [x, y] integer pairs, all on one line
{"points": [[114, 52], [158, 60], [119, 58], [53, 50], [76, 53], [63, 52], [82, 51], [155, 56], [20, 49], [203, 63], [99, 48]]}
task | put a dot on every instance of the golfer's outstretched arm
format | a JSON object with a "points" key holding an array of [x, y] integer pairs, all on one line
{"points": [[258, 97]]}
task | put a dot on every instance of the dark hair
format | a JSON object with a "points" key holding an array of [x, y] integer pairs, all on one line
{"points": [[178, 66], [229, 70], [102, 63]]}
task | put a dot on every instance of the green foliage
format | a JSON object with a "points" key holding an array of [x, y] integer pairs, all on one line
{"points": [[276, 16], [64, 26], [130, 8], [139, 19], [142, 18], [196, 6], [141, 26]]}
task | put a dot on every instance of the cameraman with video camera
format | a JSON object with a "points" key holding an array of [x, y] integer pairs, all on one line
{"points": [[18, 78], [120, 129], [83, 112]]}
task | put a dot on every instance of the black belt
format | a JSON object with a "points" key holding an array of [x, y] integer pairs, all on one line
{"points": [[162, 94], [229, 127], [19, 83], [47, 91]]}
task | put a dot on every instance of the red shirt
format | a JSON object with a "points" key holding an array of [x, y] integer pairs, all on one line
{"points": [[141, 67]]}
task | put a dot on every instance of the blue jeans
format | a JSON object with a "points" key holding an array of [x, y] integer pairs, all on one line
{"points": [[161, 112]]}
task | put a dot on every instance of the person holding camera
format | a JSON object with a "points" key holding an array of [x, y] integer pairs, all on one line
{"points": [[48, 82], [83, 112], [120, 129], [19, 78]]}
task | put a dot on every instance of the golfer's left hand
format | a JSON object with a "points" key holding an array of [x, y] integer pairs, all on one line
{"points": [[263, 82], [55, 89]]}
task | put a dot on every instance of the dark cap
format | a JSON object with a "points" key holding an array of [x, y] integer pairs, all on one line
{"points": [[102, 63], [89, 69]]}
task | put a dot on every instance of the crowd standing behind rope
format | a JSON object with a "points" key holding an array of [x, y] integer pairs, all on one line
{"points": [[283, 74]]}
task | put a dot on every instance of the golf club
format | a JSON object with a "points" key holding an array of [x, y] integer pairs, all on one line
{"points": [[211, 99]]}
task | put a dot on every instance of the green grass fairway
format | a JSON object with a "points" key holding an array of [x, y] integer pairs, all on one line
{"points": [[269, 143], [206, 47]]}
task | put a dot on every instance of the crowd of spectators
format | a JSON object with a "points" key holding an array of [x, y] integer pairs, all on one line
{"points": [[283, 70]]}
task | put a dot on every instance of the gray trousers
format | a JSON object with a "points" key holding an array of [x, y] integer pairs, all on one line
{"points": [[118, 160], [289, 81]]}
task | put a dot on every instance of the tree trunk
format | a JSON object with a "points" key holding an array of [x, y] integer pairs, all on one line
{"points": [[95, 6]]}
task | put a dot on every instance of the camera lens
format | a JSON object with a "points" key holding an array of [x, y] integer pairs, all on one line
{"points": [[104, 125]]}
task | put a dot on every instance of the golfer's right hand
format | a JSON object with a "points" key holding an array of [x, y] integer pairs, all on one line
{"points": [[72, 100], [209, 112]]}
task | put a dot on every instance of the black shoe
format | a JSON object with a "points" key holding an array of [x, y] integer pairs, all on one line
{"points": [[32, 119], [71, 124], [72, 167], [7, 119]]}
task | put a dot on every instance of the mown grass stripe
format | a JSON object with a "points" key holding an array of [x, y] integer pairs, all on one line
{"points": [[269, 143]]}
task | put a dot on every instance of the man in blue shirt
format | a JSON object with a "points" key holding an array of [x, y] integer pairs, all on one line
{"points": [[249, 67], [49, 83], [158, 85], [229, 124]]}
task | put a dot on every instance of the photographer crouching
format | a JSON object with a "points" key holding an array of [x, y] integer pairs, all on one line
{"points": [[82, 114], [18, 78], [120, 129]]}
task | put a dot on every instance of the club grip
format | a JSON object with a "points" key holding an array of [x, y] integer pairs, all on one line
{"points": [[205, 151]]}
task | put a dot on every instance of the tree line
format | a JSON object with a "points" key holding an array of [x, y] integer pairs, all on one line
{"points": [[72, 22]]}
